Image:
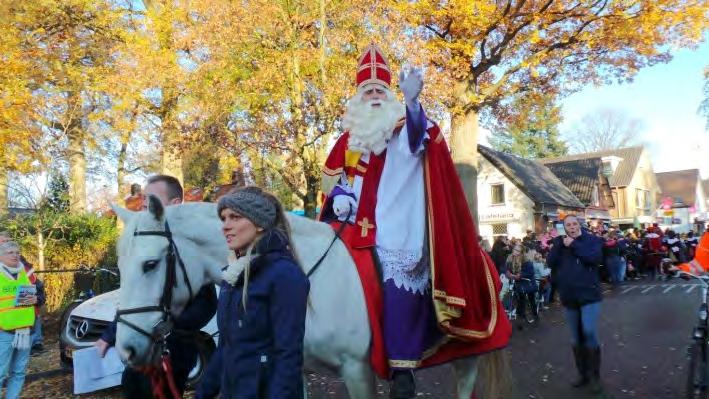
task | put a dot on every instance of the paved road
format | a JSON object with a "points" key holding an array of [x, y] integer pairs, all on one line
{"points": [[645, 330]]}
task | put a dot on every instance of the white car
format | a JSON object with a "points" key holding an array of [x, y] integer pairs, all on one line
{"points": [[84, 322]]}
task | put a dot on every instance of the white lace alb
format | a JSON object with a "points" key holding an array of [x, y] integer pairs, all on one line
{"points": [[408, 269]]}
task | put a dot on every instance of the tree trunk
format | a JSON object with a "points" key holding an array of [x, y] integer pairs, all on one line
{"points": [[171, 163], [123, 188], [310, 202], [464, 151], [3, 192], [170, 159], [41, 246], [77, 171]]}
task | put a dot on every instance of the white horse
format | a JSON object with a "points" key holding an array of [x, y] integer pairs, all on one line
{"points": [[337, 333]]}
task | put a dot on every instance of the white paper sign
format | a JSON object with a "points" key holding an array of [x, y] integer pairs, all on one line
{"points": [[93, 373]]}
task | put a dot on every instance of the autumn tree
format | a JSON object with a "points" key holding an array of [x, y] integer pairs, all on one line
{"points": [[18, 136], [534, 133], [270, 89], [604, 129], [67, 46], [491, 51], [157, 47]]}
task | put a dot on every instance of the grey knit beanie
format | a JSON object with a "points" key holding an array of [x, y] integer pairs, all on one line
{"points": [[251, 204]]}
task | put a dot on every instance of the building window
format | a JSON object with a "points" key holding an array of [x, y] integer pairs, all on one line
{"points": [[499, 229], [642, 201], [498, 194]]}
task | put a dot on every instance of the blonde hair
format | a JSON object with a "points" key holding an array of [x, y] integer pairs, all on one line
{"points": [[515, 261], [530, 254]]}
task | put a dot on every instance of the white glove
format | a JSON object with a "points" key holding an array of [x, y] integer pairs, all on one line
{"points": [[411, 84], [22, 339], [342, 204]]}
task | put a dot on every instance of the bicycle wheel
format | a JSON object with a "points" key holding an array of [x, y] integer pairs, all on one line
{"points": [[696, 372]]}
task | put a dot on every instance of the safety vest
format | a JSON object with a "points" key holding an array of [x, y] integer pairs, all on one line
{"points": [[13, 317]]}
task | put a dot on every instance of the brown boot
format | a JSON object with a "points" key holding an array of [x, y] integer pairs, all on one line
{"points": [[581, 359]]}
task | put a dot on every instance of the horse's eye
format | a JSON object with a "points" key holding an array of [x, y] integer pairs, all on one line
{"points": [[149, 265]]}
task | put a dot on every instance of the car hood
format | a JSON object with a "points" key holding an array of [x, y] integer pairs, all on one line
{"points": [[102, 307]]}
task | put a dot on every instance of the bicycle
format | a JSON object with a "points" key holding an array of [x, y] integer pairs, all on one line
{"points": [[538, 297], [698, 369], [508, 298]]}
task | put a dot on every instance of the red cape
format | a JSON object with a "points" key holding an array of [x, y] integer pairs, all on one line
{"points": [[465, 281]]}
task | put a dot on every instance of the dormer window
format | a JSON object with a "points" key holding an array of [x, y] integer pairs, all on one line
{"points": [[610, 165]]}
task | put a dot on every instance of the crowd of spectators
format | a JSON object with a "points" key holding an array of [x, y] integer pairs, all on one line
{"points": [[632, 254]]}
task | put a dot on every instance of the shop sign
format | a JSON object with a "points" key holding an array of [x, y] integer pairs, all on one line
{"points": [[492, 216]]}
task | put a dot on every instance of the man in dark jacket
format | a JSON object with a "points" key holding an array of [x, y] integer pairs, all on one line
{"points": [[183, 348], [197, 313], [576, 257]]}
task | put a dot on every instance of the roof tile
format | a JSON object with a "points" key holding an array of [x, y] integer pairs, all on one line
{"points": [[623, 173], [533, 178]]}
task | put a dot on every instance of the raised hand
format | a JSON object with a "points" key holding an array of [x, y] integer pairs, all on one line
{"points": [[411, 84]]}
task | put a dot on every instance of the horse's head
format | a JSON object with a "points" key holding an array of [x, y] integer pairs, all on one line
{"points": [[165, 255]]}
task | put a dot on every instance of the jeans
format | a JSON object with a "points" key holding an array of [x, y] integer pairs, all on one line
{"points": [[37, 337], [622, 269], [13, 364], [616, 268], [583, 323], [546, 294]]}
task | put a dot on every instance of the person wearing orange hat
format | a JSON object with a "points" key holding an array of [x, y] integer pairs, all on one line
{"points": [[431, 290]]}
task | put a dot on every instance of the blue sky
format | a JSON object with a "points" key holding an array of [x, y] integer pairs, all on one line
{"points": [[665, 98]]}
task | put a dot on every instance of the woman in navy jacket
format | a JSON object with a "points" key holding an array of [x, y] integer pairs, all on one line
{"points": [[262, 305], [575, 258]]}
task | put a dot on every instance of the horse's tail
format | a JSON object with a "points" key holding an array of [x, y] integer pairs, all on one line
{"points": [[494, 375]]}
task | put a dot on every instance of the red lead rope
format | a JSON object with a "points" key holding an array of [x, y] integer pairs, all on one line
{"points": [[161, 376]]}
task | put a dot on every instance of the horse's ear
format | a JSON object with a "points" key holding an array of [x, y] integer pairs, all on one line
{"points": [[124, 214], [155, 207]]}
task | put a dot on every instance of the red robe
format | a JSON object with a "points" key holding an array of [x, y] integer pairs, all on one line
{"points": [[465, 281]]}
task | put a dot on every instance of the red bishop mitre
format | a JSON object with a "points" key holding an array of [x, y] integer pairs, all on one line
{"points": [[373, 68]]}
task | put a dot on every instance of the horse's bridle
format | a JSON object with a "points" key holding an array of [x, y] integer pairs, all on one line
{"points": [[163, 328]]}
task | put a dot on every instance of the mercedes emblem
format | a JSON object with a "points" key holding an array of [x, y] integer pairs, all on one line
{"points": [[82, 330]]}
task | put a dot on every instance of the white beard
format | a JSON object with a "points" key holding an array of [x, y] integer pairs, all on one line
{"points": [[371, 127]]}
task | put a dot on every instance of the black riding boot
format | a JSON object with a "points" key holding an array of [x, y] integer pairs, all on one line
{"points": [[402, 385], [581, 359], [594, 372]]}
